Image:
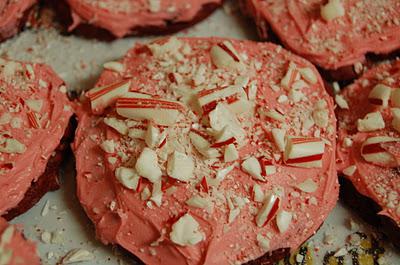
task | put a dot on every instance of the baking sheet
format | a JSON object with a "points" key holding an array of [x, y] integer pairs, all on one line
{"points": [[79, 61]]}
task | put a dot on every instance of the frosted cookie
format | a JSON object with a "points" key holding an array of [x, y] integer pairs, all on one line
{"points": [[34, 115], [133, 17], [13, 15], [333, 34], [209, 151], [369, 141], [14, 248]]}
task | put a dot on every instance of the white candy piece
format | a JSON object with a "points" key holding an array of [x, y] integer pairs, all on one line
{"points": [[202, 145], [380, 95], [162, 112], [263, 242], [224, 135], [279, 138], [118, 125], [299, 84], [341, 102], [147, 165], [273, 114], [156, 193], [137, 130], [321, 114], [252, 167], [395, 98], [349, 171], [102, 97], [295, 95], [186, 231], [145, 195], [199, 202], [127, 177], [224, 55], [169, 47], [153, 136], [252, 92], [291, 76], [222, 173], [34, 104], [333, 9], [283, 220], [108, 146], [12, 146], [233, 213], [258, 193], [373, 151], [180, 166], [309, 75], [372, 121], [396, 119], [268, 210], [304, 152], [308, 186], [221, 117], [208, 99], [230, 153], [114, 66], [347, 142]]}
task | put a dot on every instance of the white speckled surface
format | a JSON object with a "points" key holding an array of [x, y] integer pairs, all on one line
{"points": [[78, 61]]}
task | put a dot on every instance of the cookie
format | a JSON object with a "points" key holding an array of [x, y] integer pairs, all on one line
{"points": [[369, 139], [336, 34], [208, 150], [116, 19], [34, 114]]}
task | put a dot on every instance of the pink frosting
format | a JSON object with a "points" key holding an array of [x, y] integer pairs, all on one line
{"points": [[337, 43], [28, 90], [22, 251], [122, 217], [11, 13], [123, 16], [382, 184]]}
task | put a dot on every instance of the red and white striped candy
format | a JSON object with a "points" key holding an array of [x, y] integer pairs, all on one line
{"points": [[382, 151], [162, 112], [268, 210], [102, 97], [291, 76], [267, 168], [202, 144], [304, 152], [234, 96], [138, 131], [34, 120], [380, 95], [224, 55]]}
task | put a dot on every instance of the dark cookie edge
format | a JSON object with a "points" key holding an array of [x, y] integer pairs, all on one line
{"points": [[49, 180], [368, 210], [89, 31]]}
